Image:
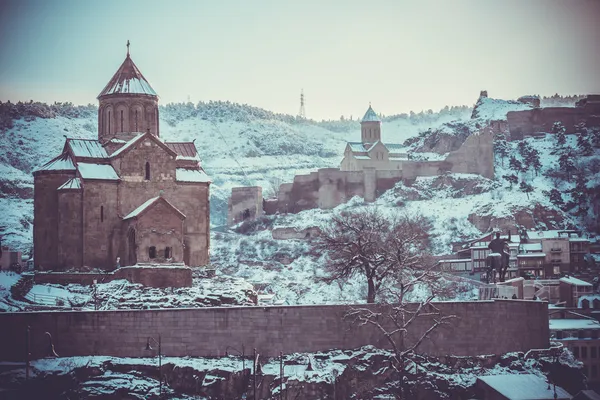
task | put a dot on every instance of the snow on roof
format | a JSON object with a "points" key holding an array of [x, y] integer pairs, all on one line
{"points": [[357, 147], [117, 141], [573, 324], [370, 116], [61, 163], [141, 208], [71, 184], [128, 79], [531, 255], [523, 387], [551, 234], [97, 171], [191, 175], [398, 158], [362, 157], [588, 297], [147, 204], [394, 147], [574, 281], [127, 145], [87, 148], [531, 247]]}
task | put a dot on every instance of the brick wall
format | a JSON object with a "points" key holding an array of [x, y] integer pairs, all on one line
{"points": [[483, 327]]}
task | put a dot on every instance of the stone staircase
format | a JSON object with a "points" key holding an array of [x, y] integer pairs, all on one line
{"points": [[20, 289]]}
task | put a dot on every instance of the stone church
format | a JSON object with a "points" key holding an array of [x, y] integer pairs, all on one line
{"points": [[371, 152], [128, 194]]}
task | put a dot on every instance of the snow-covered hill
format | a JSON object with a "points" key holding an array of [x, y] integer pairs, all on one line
{"points": [[242, 145]]}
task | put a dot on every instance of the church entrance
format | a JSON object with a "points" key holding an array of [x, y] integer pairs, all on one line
{"points": [[131, 246]]}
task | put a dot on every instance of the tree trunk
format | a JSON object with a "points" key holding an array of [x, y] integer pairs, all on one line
{"points": [[371, 292]]}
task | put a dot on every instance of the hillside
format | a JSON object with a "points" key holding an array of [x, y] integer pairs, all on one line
{"points": [[241, 145]]}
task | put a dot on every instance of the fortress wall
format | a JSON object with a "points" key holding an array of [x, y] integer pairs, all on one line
{"points": [[475, 156], [209, 331], [528, 122], [242, 199]]}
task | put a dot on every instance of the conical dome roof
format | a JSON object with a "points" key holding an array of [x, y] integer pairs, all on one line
{"points": [[370, 116], [128, 80]]}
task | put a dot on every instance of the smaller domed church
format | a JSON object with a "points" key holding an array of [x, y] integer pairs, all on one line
{"points": [[128, 194], [371, 152]]}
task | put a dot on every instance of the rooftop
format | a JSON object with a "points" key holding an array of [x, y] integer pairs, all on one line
{"points": [[573, 324], [574, 281], [128, 79], [370, 116], [86, 148], [61, 163], [523, 387], [97, 171]]}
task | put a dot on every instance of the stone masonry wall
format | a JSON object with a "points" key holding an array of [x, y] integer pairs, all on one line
{"points": [[483, 327], [245, 202], [45, 217]]}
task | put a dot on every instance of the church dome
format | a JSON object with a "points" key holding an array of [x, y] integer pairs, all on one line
{"points": [[128, 80], [370, 116]]}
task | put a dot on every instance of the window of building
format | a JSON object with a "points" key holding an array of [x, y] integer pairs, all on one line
{"points": [[136, 121], [152, 252], [101, 213], [109, 122], [556, 270], [167, 252], [583, 352], [147, 171], [576, 351], [593, 352], [121, 120]]}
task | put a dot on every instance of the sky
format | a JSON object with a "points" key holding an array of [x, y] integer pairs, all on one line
{"points": [[398, 55]]}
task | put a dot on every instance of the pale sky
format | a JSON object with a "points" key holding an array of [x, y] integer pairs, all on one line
{"points": [[399, 55]]}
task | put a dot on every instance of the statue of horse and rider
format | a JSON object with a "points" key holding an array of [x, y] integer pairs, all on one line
{"points": [[497, 260]]}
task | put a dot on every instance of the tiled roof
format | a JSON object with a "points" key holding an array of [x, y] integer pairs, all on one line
{"points": [[184, 149], [191, 175], [61, 163], [394, 147], [370, 116], [128, 79], [357, 147], [86, 148], [97, 171], [71, 184]]}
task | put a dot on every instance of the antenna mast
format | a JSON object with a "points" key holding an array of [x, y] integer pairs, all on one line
{"points": [[302, 113]]}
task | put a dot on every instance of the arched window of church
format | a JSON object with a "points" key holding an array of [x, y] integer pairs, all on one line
{"points": [[167, 252], [121, 120], [152, 252], [109, 122], [136, 121], [147, 171], [101, 213]]}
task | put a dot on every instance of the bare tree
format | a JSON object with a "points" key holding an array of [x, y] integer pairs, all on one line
{"points": [[392, 250], [370, 244], [404, 325]]}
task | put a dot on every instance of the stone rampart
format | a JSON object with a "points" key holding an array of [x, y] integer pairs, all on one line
{"points": [[481, 327]]}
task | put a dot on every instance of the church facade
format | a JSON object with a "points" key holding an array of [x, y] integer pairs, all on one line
{"points": [[128, 194], [371, 152]]}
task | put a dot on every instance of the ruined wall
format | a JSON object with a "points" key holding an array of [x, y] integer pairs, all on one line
{"points": [[244, 203], [517, 326]]}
